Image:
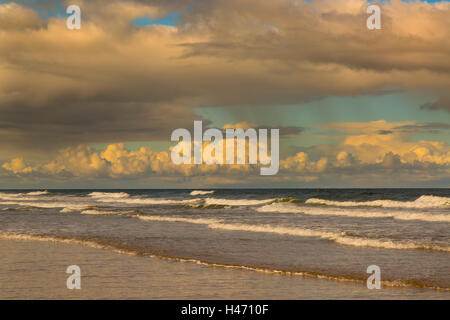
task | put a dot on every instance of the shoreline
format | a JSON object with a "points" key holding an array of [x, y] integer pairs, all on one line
{"points": [[387, 284], [36, 270]]}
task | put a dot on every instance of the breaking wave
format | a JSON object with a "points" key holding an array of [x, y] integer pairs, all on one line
{"points": [[16, 196], [178, 219], [422, 202], [67, 206], [147, 201], [201, 192], [196, 202], [236, 202], [107, 195], [398, 215], [338, 237], [125, 198], [38, 193], [99, 212]]}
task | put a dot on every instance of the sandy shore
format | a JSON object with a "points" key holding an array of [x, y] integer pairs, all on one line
{"points": [[36, 270]]}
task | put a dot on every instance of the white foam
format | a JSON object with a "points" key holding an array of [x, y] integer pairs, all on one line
{"points": [[67, 210], [340, 238], [92, 244], [398, 215], [178, 219], [201, 192], [113, 195], [99, 212], [38, 193], [23, 196], [421, 202], [144, 201], [88, 243], [333, 236], [125, 198], [16, 196], [162, 201], [430, 217], [67, 206], [236, 202]]}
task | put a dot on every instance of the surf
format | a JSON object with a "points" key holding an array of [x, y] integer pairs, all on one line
{"points": [[425, 201], [354, 212], [283, 272], [337, 237]]}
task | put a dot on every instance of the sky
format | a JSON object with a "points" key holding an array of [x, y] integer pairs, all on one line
{"points": [[95, 107]]}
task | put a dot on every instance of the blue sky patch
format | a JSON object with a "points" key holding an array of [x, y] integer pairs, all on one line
{"points": [[169, 20], [44, 8]]}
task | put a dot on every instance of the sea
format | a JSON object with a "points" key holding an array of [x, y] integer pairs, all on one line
{"points": [[334, 234]]}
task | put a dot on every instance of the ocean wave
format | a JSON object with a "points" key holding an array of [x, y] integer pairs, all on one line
{"points": [[178, 219], [67, 206], [398, 215], [289, 200], [194, 202], [338, 237], [73, 208], [113, 195], [17, 209], [201, 192], [125, 198], [17, 196], [46, 238], [68, 210], [236, 202], [306, 274], [23, 196], [38, 193], [147, 201], [100, 212], [424, 201]]}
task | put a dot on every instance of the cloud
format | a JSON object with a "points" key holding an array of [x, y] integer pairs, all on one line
{"points": [[363, 155], [17, 166], [369, 142], [114, 81], [285, 131], [433, 127], [443, 103]]}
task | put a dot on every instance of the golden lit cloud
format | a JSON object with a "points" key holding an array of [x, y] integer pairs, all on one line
{"points": [[367, 149]]}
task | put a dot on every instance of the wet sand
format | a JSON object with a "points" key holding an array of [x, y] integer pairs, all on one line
{"points": [[36, 270]]}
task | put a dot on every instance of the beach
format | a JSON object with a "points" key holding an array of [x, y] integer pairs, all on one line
{"points": [[226, 244], [280, 149], [36, 270]]}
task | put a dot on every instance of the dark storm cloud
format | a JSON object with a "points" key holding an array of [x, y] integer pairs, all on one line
{"points": [[432, 127], [441, 104], [112, 81]]}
